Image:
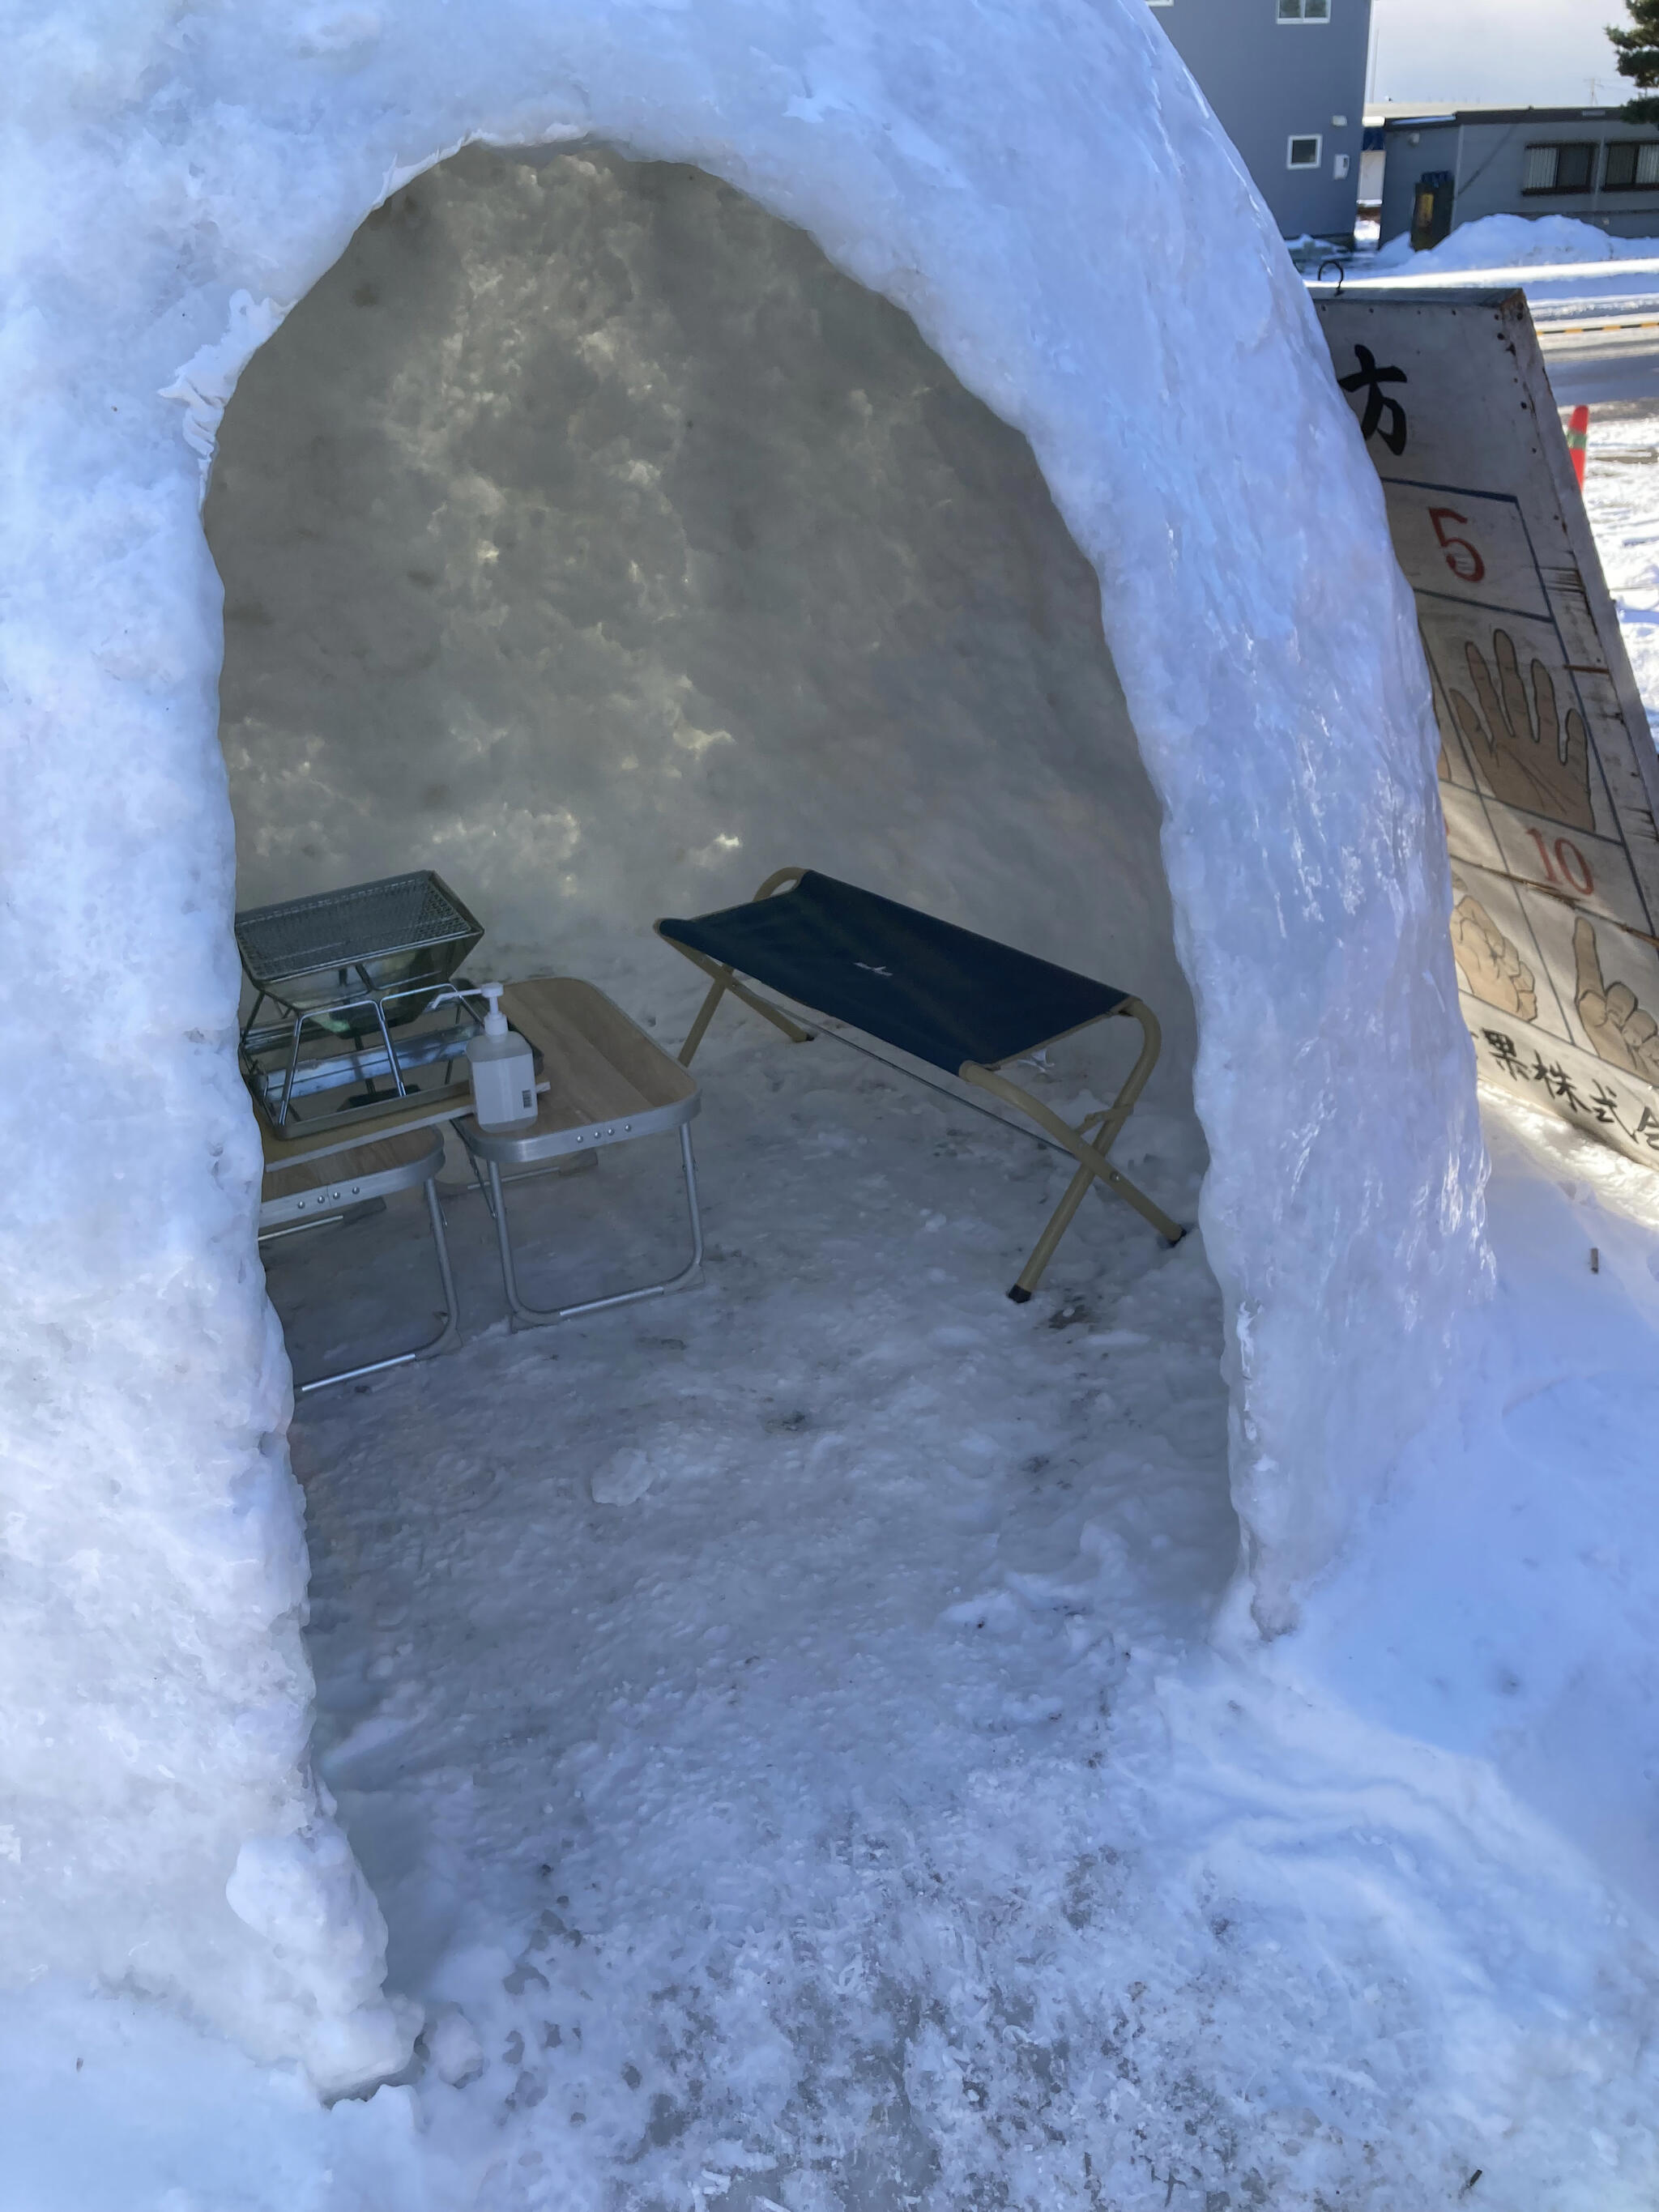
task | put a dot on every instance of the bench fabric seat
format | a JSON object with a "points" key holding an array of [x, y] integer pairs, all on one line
{"points": [[944, 994], [961, 1003]]}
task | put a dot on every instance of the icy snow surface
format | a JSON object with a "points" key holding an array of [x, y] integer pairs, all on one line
{"points": [[1621, 491], [1517, 241], [780, 1723], [1555, 256], [780, 1726], [1043, 192]]}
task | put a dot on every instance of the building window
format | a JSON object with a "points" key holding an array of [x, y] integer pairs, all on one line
{"points": [[1303, 153], [1305, 11], [1558, 168], [1632, 166]]}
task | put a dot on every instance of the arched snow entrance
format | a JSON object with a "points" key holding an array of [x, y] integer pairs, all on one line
{"points": [[587, 537], [1044, 192]]}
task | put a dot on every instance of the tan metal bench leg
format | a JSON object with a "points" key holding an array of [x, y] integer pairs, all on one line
{"points": [[699, 1028], [1059, 1222], [1088, 1145], [725, 981]]}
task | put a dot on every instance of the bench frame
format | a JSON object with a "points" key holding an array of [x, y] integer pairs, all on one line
{"points": [[1088, 1143]]}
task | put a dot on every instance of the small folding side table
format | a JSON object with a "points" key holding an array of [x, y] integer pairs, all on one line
{"points": [[608, 1083], [327, 1179]]}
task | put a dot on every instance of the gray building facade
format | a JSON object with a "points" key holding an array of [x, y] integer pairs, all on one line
{"points": [[1444, 169], [1286, 79]]}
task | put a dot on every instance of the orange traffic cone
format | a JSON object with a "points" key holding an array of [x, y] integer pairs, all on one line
{"points": [[1578, 433]]}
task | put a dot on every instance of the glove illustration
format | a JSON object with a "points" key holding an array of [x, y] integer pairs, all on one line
{"points": [[1523, 752]]}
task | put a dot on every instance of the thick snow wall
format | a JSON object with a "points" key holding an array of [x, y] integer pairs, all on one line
{"points": [[1041, 188], [587, 536]]}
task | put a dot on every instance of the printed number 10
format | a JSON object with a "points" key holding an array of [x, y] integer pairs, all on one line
{"points": [[1569, 860]]}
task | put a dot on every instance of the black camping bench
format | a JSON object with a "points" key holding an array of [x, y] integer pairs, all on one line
{"points": [[960, 1002]]}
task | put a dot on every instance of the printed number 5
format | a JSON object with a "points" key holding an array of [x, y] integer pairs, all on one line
{"points": [[1463, 562]]}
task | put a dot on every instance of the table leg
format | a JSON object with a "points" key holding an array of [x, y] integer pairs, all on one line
{"points": [[525, 1315]]}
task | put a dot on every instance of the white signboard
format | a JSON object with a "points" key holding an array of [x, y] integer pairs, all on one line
{"points": [[1548, 775]]}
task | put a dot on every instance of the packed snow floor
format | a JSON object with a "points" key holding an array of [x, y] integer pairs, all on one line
{"points": [[780, 1724], [786, 1729]]}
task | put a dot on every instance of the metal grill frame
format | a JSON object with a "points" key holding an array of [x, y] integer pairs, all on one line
{"points": [[265, 968], [438, 938]]}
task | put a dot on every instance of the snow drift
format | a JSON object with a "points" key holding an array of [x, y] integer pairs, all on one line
{"points": [[1512, 241], [1042, 190]]}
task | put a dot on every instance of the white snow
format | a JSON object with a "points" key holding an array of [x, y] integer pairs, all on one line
{"points": [[858, 1813], [1554, 256], [1622, 493], [1517, 241], [784, 1727], [111, 2103], [174, 185]]}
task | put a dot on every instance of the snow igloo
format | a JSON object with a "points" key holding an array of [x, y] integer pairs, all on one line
{"points": [[662, 445]]}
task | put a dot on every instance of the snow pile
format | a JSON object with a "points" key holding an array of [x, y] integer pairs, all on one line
{"points": [[112, 2104], [174, 190], [854, 1805], [1513, 241], [601, 591], [1556, 259], [1622, 497], [780, 1728], [1503, 1608]]}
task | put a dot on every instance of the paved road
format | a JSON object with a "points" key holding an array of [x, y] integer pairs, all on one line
{"points": [[1591, 363]]}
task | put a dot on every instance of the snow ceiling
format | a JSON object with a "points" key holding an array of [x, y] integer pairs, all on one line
{"points": [[1041, 188]]}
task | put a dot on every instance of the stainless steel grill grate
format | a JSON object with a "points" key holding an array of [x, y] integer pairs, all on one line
{"points": [[311, 952], [344, 970]]}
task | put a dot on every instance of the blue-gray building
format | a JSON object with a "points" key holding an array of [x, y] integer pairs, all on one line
{"points": [[1286, 79], [1443, 168]]}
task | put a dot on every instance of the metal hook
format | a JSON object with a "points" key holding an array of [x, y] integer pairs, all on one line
{"points": [[1341, 268]]}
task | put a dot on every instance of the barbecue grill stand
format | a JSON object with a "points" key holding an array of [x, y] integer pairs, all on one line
{"points": [[356, 963]]}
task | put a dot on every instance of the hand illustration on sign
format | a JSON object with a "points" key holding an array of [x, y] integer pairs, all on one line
{"points": [[1492, 969], [1518, 744], [1619, 1030]]}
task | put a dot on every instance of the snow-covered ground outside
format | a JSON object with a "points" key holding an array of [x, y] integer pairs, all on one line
{"points": [[1621, 490], [781, 1723], [786, 1731], [1558, 260]]}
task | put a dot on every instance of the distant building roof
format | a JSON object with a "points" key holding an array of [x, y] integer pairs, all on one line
{"points": [[1396, 112]]}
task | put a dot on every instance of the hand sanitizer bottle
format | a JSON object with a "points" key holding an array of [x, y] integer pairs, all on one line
{"points": [[503, 1070]]}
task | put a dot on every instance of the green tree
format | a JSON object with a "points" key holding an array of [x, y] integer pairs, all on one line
{"points": [[1637, 49]]}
